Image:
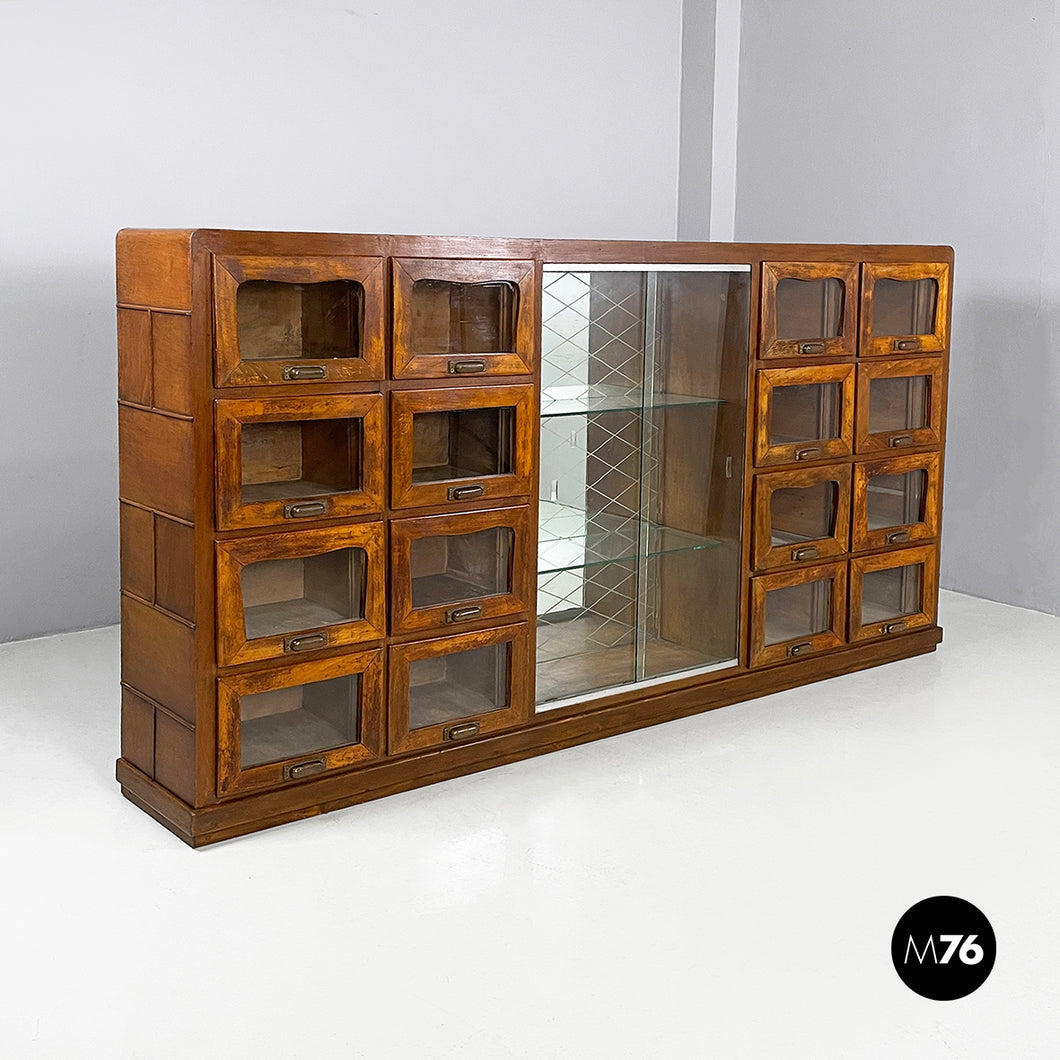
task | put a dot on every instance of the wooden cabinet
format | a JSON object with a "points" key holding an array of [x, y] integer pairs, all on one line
{"points": [[398, 508]]}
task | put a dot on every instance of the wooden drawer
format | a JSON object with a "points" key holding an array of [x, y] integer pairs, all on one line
{"points": [[307, 590], [797, 613], [455, 317], [452, 689], [804, 414], [893, 592], [801, 516], [899, 404], [461, 444], [904, 308], [282, 460], [896, 501], [292, 722], [809, 309], [298, 320], [452, 569]]}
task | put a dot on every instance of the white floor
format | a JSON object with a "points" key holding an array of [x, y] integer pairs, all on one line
{"points": [[722, 886]]}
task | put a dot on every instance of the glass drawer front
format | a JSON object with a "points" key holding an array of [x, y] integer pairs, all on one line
{"points": [[460, 445], [809, 309], [905, 308], [801, 516], [893, 592], [299, 592], [302, 458], [298, 721], [312, 320], [899, 404], [797, 613], [451, 569], [452, 689], [805, 414], [896, 501], [457, 318]]}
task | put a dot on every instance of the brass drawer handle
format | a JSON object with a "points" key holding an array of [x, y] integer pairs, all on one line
{"points": [[800, 649], [806, 552], [466, 367], [899, 537], [298, 372], [900, 440], [807, 454], [305, 643], [893, 627], [462, 614], [904, 345], [811, 347], [464, 493], [304, 769], [304, 510], [460, 732]]}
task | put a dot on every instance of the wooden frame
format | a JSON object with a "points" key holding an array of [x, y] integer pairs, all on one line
{"points": [[232, 414], [410, 362], [842, 345], [925, 555], [934, 341], [229, 271], [519, 599], [768, 556], [807, 449], [233, 645], [887, 441], [520, 691], [862, 538], [232, 779], [798, 647], [406, 404]]}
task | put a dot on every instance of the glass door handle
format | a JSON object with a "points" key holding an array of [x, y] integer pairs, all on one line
{"points": [[462, 614], [460, 732], [807, 454], [464, 493], [800, 649], [306, 643], [806, 552], [304, 510], [305, 371], [899, 537], [904, 345], [893, 627], [466, 367], [900, 440], [811, 347]]}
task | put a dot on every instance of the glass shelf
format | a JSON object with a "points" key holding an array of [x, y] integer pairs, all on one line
{"points": [[570, 539], [588, 400]]}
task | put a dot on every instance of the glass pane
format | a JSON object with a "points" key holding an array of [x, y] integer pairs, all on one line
{"points": [[890, 593], [809, 309], [462, 684], [467, 443], [286, 321], [896, 500], [452, 568], [904, 307], [798, 611], [464, 317], [300, 459], [283, 596], [898, 404], [805, 514], [809, 412], [290, 722]]}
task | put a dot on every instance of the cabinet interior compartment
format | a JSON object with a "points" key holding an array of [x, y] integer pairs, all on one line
{"points": [[305, 592], [891, 593], [899, 403], [896, 500], [279, 321], [300, 719], [459, 684], [464, 318], [642, 437], [805, 412], [809, 309], [462, 443], [299, 458], [804, 513], [904, 307], [451, 568], [801, 610]]}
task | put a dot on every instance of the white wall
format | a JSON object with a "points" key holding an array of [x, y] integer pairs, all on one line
{"points": [[489, 117], [923, 121]]}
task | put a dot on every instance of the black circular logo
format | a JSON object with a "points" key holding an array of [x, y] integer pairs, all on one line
{"points": [[943, 948]]}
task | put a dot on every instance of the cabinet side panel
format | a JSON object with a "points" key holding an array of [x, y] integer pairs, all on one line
{"points": [[134, 356], [155, 462], [171, 372], [154, 268], [175, 756], [157, 657], [174, 567], [138, 731], [138, 552]]}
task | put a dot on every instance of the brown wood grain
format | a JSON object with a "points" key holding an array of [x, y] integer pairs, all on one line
{"points": [[862, 628], [842, 345], [157, 657], [932, 369], [154, 268], [155, 465], [862, 538], [873, 344]]}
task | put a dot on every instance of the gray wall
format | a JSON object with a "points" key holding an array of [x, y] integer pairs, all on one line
{"points": [[921, 121], [488, 117]]}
